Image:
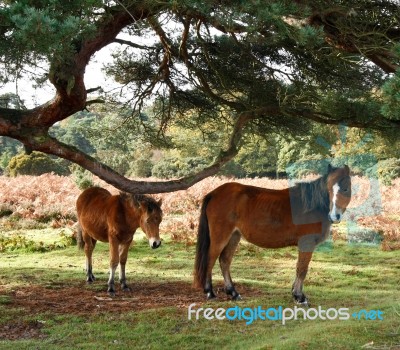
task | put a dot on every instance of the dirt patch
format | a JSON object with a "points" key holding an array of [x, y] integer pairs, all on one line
{"points": [[21, 330], [80, 299]]}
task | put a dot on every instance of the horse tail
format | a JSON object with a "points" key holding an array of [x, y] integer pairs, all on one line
{"points": [[202, 246], [79, 238]]}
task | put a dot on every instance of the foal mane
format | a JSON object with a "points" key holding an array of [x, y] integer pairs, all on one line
{"points": [[314, 194], [150, 202]]}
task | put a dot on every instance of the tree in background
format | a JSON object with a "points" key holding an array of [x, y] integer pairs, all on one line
{"points": [[252, 67], [36, 163], [9, 147]]}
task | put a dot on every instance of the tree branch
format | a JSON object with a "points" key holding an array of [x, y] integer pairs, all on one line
{"points": [[88, 91], [377, 124], [371, 39], [131, 44], [97, 100], [44, 143]]}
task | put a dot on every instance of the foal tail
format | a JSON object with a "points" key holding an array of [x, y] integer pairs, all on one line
{"points": [[202, 247], [79, 239]]}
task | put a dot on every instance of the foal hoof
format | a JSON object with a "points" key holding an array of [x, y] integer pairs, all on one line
{"points": [[125, 288], [236, 297], [90, 279], [111, 291]]}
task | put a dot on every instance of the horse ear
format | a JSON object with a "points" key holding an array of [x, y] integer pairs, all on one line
{"points": [[124, 195], [132, 199], [346, 169], [330, 168], [159, 202]]}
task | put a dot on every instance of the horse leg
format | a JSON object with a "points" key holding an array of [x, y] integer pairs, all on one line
{"points": [[90, 243], [225, 260], [114, 259], [213, 253], [217, 244], [123, 256], [208, 288], [301, 272]]}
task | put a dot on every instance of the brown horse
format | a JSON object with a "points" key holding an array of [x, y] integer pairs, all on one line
{"points": [[114, 219], [301, 215]]}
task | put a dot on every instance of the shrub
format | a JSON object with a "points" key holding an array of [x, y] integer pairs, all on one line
{"points": [[82, 178], [362, 164], [388, 170], [177, 167], [141, 168], [363, 235], [19, 242], [233, 169], [304, 168], [36, 163]]}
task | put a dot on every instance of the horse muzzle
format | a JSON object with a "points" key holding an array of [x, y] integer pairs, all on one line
{"points": [[334, 219], [154, 243]]}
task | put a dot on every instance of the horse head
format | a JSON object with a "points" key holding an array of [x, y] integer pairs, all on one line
{"points": [[339, 188]]}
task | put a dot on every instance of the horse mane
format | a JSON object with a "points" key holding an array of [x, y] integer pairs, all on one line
{"points": [[314, 194]]}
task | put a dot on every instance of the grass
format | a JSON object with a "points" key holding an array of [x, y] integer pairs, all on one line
{"points": [[353, 276]]}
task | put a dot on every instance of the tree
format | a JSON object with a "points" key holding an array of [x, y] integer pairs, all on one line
{"points": [[264, 67]]}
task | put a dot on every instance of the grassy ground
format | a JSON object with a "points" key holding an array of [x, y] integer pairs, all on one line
{"points": [[341, 275]]}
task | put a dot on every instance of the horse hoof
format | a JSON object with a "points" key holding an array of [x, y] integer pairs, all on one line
{"points": [[126, 289], [211, 295], [305, 303], [302, 301]]}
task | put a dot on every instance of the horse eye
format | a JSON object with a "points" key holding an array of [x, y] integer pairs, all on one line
{"points": [[346, 190]]}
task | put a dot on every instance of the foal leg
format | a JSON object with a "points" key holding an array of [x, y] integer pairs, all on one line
{"points": [[90, 243], [123, 256], [301, 272], [114, 258], [225, 260]]}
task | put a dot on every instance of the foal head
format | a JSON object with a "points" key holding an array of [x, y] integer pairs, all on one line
{"points": [[148, 212], [150, 219], [339, 188]]}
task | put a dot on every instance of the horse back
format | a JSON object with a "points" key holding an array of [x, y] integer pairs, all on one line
{"points": [[263, 216], [243, 201]]}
